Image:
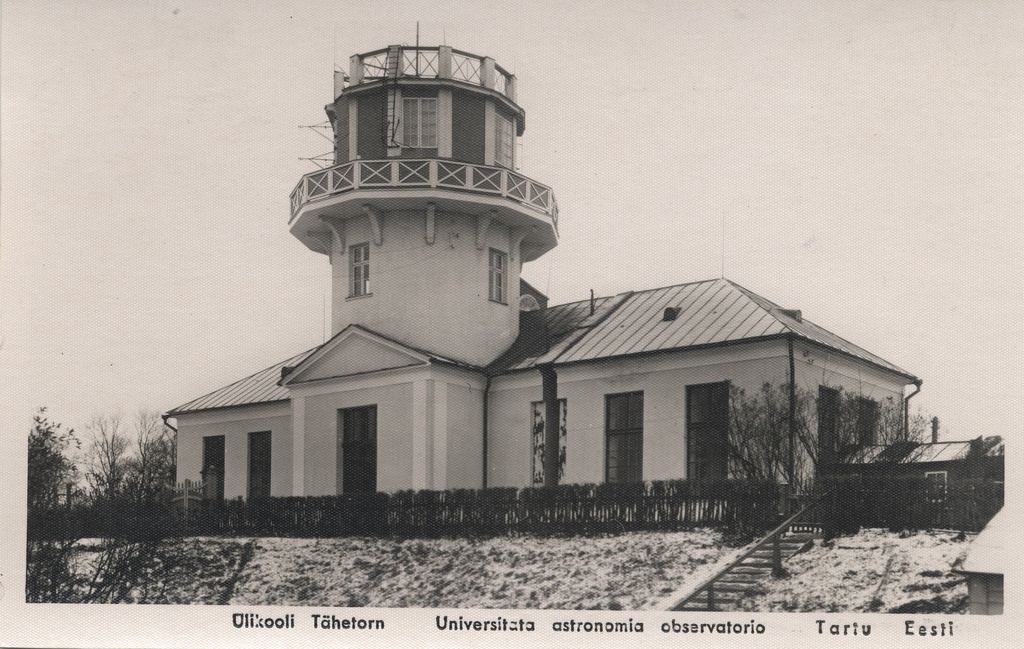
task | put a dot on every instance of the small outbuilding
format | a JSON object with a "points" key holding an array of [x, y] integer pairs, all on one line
{"points": [[984, 564]]}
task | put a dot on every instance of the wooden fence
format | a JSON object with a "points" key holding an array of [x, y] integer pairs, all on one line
{"points": [[908, 502], [742, 507]]}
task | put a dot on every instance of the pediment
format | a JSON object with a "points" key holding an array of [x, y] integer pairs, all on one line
{"points": [[352, 352]]}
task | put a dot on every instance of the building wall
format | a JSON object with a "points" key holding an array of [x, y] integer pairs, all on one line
{"points": [[663, 379], [468, 133], [429, 427], [816, 366], [985, 592], [394, 440], [509, 445], [417, 287], [370, 107], [235, 424], [338, 114], [464, 438]]}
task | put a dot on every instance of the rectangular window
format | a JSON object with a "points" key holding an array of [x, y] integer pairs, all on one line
{"points": [[259, 464], [707, 430], [357, 450], [504, 142], [359, 269], [867, 420], [213, 466], [828, 426], [624, 426], [937, 481], [537, 408], [497, 276], [419, 122]]}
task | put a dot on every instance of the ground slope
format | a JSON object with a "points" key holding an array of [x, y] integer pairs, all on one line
{"points": [[627, 571], [873, 571]]}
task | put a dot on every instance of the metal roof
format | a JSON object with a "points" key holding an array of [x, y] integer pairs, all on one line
{"points": [[988, 551], [710, 312], [263, 386], [260, 387], [909, 453]]}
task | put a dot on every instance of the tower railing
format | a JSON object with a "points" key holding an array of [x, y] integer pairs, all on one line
{"points": [[399, 173], [441, 62]]}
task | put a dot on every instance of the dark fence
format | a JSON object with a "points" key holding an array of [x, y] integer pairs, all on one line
{"points": [[741, 508], [566, 509], [907, 502], [118, 519]]}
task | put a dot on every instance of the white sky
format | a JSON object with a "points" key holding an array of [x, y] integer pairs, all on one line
{"points": [[864, 158]]}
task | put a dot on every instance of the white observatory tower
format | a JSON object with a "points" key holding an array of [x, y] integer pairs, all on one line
{"points": [[424, 218]]}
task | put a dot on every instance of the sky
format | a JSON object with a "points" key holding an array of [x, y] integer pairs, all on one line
{"points": [[860, 161]]}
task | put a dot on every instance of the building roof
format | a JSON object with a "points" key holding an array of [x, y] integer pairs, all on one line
{"points": [[266, 386], [986, 553], [261, 387], [707, 313], [920, 453]]}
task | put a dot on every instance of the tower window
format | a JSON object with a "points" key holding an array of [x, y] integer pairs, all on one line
{"points": [[497, 276], [419, 122], [503, 142], [359, 269]]}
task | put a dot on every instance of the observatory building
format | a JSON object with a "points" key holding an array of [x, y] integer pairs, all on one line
{"points": [[444, 368]]}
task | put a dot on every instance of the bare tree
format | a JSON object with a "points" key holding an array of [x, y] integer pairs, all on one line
{"points": [[765, 443], [106, 457], [151, 465]]}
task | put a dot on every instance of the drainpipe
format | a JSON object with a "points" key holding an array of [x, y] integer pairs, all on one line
{"points": [[166, 423], [487, 395], [549, 386], [792, 410], [906, 408]]}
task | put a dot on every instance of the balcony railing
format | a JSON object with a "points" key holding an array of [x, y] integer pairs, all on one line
{"points": [[433, 173], [432, 63]]}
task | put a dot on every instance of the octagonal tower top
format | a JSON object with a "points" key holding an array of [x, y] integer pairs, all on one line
{"points": [[408, 98]]}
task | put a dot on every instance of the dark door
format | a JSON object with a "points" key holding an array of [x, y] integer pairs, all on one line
{"points": [[259, 464], [213, 466], [358, 449]]}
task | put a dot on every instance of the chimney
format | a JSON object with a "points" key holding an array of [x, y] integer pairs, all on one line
{"points": [[795, 314], [935, 429]]}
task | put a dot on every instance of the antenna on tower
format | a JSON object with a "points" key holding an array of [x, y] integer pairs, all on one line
{"points": [[723, 245]]}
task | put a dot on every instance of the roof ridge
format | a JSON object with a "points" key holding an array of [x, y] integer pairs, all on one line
{"points": [[637, 292]]}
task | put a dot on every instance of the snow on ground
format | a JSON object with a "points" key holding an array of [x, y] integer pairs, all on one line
{"points": [[629, 571], [873, 571]]}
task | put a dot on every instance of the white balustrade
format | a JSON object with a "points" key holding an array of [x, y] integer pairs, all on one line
{"points": [[417, 173]]}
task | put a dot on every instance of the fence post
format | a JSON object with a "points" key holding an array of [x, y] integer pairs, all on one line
{"points": [[776, 556], [784, 499]]}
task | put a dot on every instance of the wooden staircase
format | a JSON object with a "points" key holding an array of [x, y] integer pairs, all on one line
{"points": [[724, 591]]}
